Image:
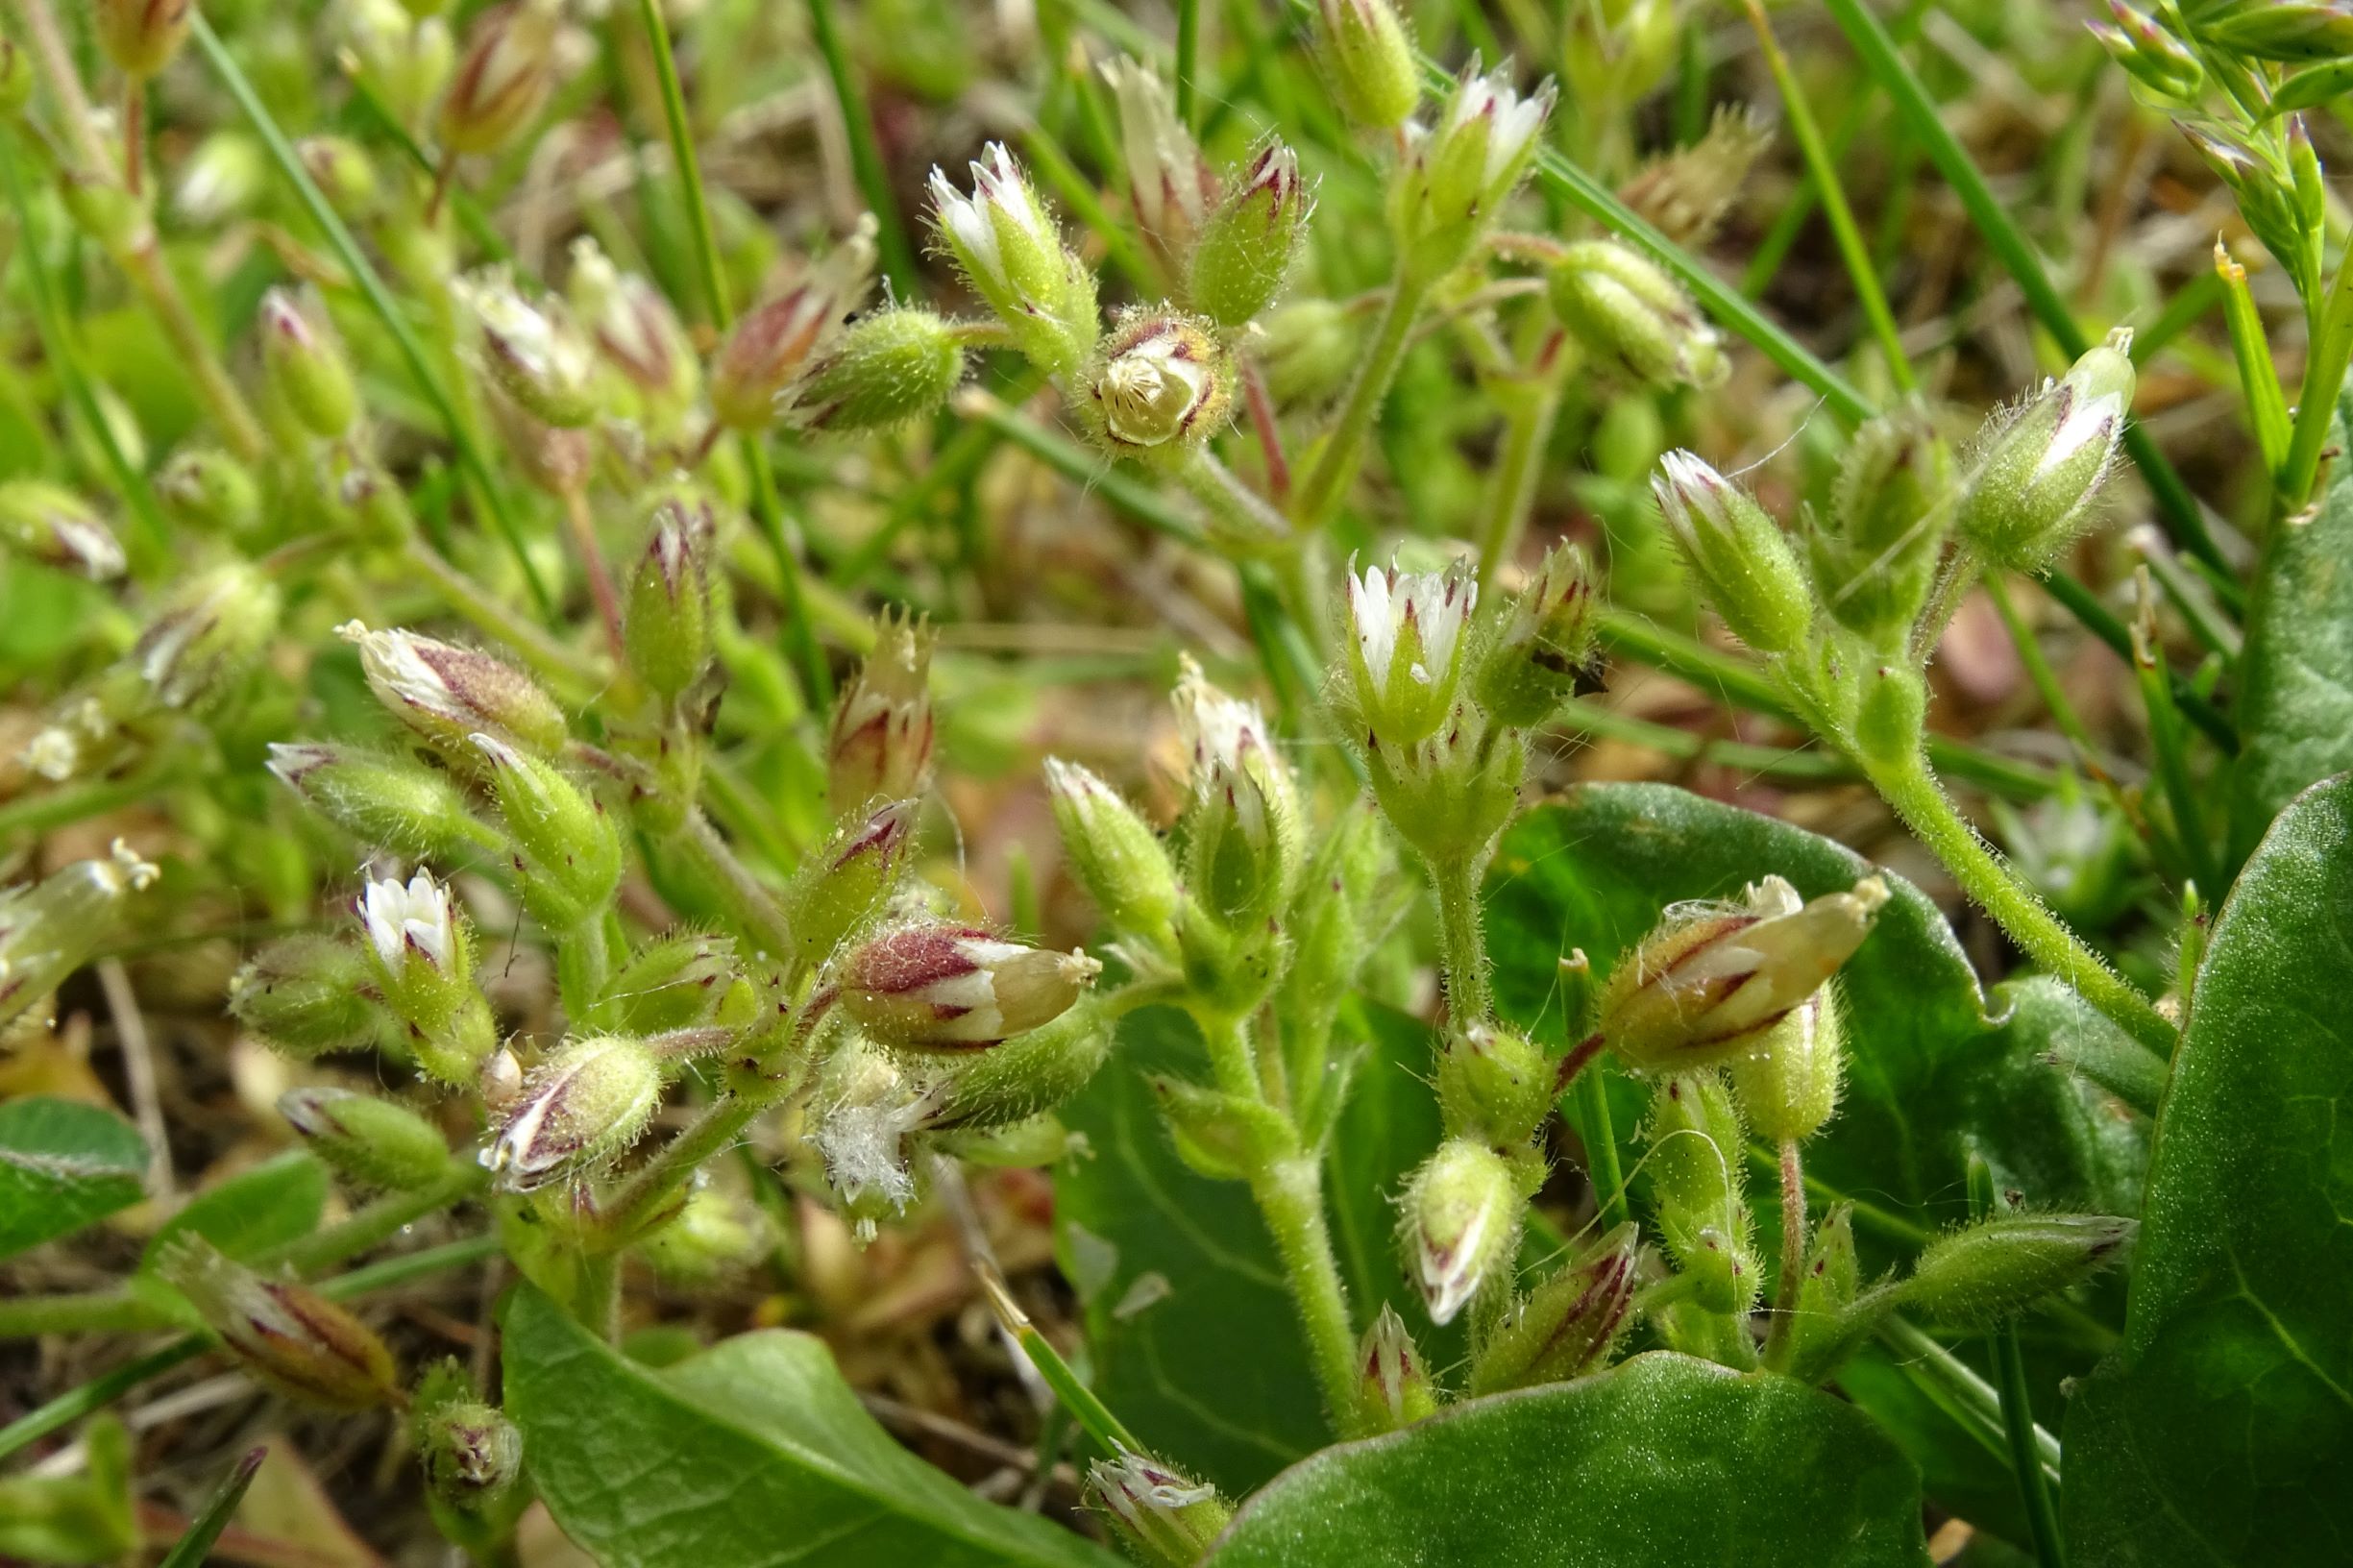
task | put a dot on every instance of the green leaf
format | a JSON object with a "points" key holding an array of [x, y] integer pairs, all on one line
{"points": [[1197, 1347], [2296, 708], [1660, 1462], [63, 1166], [2221, 1430], [84, 1518], [274, 1204], [754, 1451], [194, 1547]]}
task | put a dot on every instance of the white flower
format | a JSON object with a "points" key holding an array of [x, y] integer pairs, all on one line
{"points": [[1513, 124], [1409, 642], [1153, 391], [1000, 193], [1164, 167], [413, 918], [1218, 730], [396, 665]]}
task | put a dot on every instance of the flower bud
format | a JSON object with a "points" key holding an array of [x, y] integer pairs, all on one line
{"points": [[305, 363], [1449, 794], [1827, 1327], [1628, 312], [446, 693], [950, 988], [1405, 657], [1493, 1086], [532, 347], [384, 802], [1711, 979], [307, 996], [713, 1238], [1876, 554], [141, 37], [842, 885], [376, 507], [1163, 1517], [2155, 59], [405, 59], [1697, 1168], [1464, 171], [565, 846], [292, 1338], [672, 983], [771, 344], [2039, 469], [1544, 653], [220, 180], [1012, 254], [1998, 1268], [1462, 1220], [1568, 1325], [1251, 240], [208, 634], [423, 959], [373, 1141], [889, 367], [1684, 194], [2293, 31], [1368, 59], [1737, 553], [1227, 1137], [633, 328], [1394, 1388], [1161, 386], [1244, 843], [48, 929], [1307, 350], [344, 173], [667, 632], [508, 67], [1171, 182], [583, 1106], [470, 1452], [49, 523], [1112, 850], [880, 745], [207, 491], [1788, 1086]]}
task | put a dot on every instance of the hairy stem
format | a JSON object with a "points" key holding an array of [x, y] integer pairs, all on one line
{"points": [[1343, 446], [1778, 1344], [1528, 429], [1462, 950]]}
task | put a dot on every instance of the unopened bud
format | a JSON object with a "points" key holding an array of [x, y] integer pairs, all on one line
{"points": [[583, 1106], [1696, 1165], [378, 506], [287, 1335], [667, 632], [1462, 1220], [1737, 554], [633, 327], [1684, 193], [950, 988], [384, 802], [1252, 239], [1999, 1267], [676, 982], [1493, 1085], [1171, 182], [1544, 654], [884, 369], [1405, 657], [1161, 387], [565, 845], [344, 173], [842, 885], [208, 634], [1827, 1325], [1788, 1083], [2037, 473], [713, 1238], [1164, 1517], [1712, 978], [446, 694], [470, 1452], [1568, 1325], [1626, 311], [508, 67], [306, 364], [1012, 254], [1244, 842], [774, 344], [207, 491], [1367, 57], [141, 37], [1227, 1137], [1112, 850], [49, 930], [371, 1140], [2293, 31], [49, 523], [220, 180], [1393, 1389], [532, 348], [1876, 553], [880, 745], [2155, 58], [307, 996]]}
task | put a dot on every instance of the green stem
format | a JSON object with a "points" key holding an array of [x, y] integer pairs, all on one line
{"points": [[2034, 1482], [1528, 431], [582, 965], [748, 903], [1968, 1398], [1461, 952], [1602, 1166], [1343, 446], [865, 153], [1778, 1343], [377, 1222], [689, 170], [1914, 793], [2324, 374], [1187, 61], [799, 636]]}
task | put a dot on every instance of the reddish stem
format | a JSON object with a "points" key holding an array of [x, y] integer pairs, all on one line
{"points": [[1270, 439]]}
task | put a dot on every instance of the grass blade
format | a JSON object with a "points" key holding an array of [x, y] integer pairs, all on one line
{"points": [[192, 1550]]}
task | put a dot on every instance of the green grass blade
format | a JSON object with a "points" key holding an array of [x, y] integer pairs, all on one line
{"points": [[865, 153], [194, 1548]]}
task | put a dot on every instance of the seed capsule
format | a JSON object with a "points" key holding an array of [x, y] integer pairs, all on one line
{"points": [[446, 693], [1569, 1325], [1628, 312], [1461, 1217], [586, 1105], [957, 987], [287, 1335], [1366, 52]]}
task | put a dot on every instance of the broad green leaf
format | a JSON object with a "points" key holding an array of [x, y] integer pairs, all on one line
{"points": [[1660, 1462], [2221, 1430], [277, 1202], [2296, 708], [753, 1453], [63, 1166], [1195, 1343]]}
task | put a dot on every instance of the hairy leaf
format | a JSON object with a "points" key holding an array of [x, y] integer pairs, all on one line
{"points": [[63, 1166]]}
